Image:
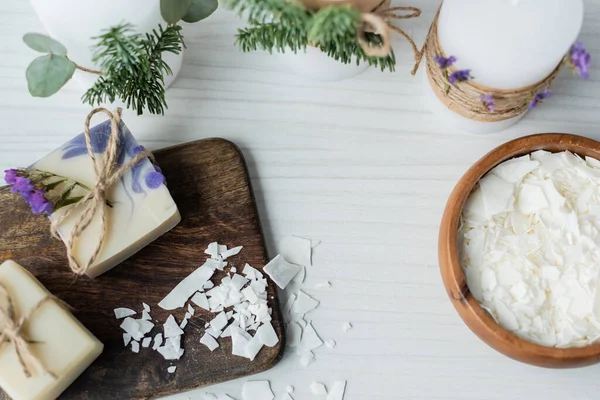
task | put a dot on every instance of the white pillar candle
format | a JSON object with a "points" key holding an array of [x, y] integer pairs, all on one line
{"points": [[507, 44], [62, 345]]}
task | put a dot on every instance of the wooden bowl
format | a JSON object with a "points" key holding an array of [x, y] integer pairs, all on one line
{"points": [[476, 318]]}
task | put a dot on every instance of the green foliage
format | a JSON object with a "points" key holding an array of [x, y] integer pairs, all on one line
{"points": [[133, 68], [47, 74], [199, 10], [44, 44], [282, 25], [187, 10], [173, 10]]}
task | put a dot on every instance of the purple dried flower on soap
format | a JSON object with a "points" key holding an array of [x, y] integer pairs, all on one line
{"points": [[579, 60], [444, 62], [10, 176], [539, 98], [460, 76], [38, 202], [23, 186], [488, 102]]}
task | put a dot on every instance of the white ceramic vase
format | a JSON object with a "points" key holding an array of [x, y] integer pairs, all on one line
{"points": [[315, 64], [75, 22]]}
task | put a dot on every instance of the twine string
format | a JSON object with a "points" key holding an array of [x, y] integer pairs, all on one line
{"points": [[107, 172], [10, 331], [378, 21]]}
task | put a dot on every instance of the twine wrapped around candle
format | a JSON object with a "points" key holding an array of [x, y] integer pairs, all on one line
{"points": [[107, 172], [378, 21], [465, 98], [10, 331]]}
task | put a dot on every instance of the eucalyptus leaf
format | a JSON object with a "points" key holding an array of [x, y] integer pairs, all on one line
{"points": [[47, 74], [44, 44], [200, 9], [173, 10]]}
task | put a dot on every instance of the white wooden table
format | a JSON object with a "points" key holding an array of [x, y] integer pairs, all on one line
{"points": [[362, 165]]}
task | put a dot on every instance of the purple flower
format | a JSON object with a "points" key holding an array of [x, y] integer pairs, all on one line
{"points": [[444, 62], [460, 76], [23, 186], [580, 59], [10, 176], [539, 97], [154, 179], [38, 202], [488, 102]]}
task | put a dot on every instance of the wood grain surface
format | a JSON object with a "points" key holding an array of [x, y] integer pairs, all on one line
{"points": [[209, 183], [480, 322]]}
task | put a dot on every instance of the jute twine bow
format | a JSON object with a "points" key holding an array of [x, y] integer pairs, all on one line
{"points": [[107, 172], [378, 21], [465, 98], [10, 331]]}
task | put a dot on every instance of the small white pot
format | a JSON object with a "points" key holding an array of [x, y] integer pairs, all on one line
{"points": [[75, 22], [315, 64]]}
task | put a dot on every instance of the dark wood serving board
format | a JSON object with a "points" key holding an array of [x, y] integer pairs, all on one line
{"points": [[209, 182]]}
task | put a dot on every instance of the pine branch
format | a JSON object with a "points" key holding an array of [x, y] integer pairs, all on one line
{"points": [[285, 12], [133, 67], [271, 36]]}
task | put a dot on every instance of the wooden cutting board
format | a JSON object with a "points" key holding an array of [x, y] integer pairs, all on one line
{"points": [[209, 182]]}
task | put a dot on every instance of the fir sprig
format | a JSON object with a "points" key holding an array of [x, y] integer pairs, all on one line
{"points": [[282, 25], [133, 67]]}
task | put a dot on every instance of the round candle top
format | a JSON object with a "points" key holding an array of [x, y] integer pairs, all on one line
{"points": [[508, 44]]}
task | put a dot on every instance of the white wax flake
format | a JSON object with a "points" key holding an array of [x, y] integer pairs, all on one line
{"points": [[239, 343], [253, 346], [337, 391], [219, 322], [533, 262], [146, 342], [186, 288], [208, 285], [251, 272], [123, 312], [497, 194], [300, 276], [296, 250], [347, 326], [213, 250], [310, 340], [224, 397], [514, 170], [287, 396], [281, 271], [172, 369], [209, 396], [146, 307], [183, 323], [304, 303], [146, 316], [201, 301], [213, 332], [330, 343], [158, 341], [250, 295], [126, 339], [135, 346], [323, 285], [318, 389], [289, 389], [267, 335], [171, 328], [257, 390], [209, 342], [190, 309], [293, 334], [132, 327], [169, 352], [307, 358], [238, 282], [231, 252]]}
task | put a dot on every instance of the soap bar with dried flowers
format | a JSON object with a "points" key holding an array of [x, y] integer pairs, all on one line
{"points": [[43, 348], [138, 206]]}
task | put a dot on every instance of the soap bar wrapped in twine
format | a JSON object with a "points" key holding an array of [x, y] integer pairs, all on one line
{"points": [[378, 21], [107, 172], [11, 331]]}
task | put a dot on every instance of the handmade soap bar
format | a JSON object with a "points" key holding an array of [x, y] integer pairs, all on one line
{"points": [[141, 210], [63, 346]]}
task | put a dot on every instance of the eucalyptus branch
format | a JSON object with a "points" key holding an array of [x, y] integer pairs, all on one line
{"points": [[91, 71]]}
